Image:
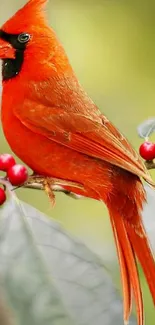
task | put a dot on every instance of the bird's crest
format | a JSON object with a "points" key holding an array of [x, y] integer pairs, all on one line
{"points": [[28, 16], [38, 4]]}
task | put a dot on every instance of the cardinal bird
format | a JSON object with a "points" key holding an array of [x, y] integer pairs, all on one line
{"points": [[55, 128]]}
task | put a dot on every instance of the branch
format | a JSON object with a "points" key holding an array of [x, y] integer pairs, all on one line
{"points": [[56, 185], [149, 164]]}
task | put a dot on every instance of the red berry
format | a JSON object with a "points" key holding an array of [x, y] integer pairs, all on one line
{"points": [[6, 161], [147, 150], [17, 175], [2, 196]]}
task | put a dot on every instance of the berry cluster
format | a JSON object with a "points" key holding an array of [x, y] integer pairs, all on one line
{"points": [[147, 150], [15, 173]]}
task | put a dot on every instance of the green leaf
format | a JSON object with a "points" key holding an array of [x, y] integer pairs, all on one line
{"points": [[50, 278]]}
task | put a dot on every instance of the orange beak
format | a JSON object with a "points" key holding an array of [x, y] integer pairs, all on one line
{"points": [[6, 50]]}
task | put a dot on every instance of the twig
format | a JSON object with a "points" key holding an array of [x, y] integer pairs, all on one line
{"points": [[56, 184], [37, 182], [150, 164]]}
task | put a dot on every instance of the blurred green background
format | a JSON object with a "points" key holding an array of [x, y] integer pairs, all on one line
{"points": [[111, 45]]}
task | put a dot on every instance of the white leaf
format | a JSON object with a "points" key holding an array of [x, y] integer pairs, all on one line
{"points": [[50, 278], [149, 215], [146, 128]]}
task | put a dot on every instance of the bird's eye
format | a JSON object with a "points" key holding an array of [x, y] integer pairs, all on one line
{"points": [[23, 38]]}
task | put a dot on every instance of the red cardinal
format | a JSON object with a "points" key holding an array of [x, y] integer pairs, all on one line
{"points": [[56, 129]]}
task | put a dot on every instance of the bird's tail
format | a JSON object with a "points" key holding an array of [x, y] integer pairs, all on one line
{"points": [[132, 242]]}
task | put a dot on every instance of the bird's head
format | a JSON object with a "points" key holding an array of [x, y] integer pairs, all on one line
{"points": [[27, 44]]}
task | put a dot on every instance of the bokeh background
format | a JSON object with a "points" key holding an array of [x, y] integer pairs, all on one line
{"points": [[111, 45]]}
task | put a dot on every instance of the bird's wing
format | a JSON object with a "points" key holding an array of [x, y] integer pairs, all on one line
{"points": [[91, 135]]}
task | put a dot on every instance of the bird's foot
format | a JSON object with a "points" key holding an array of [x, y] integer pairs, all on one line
{"points": [[43, 183], [35, 182], [51, 185], [47, 185]]}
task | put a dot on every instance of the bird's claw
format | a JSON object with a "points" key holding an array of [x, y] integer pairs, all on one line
{"points": [[51, 185], [44, 183], [47, 185]]}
